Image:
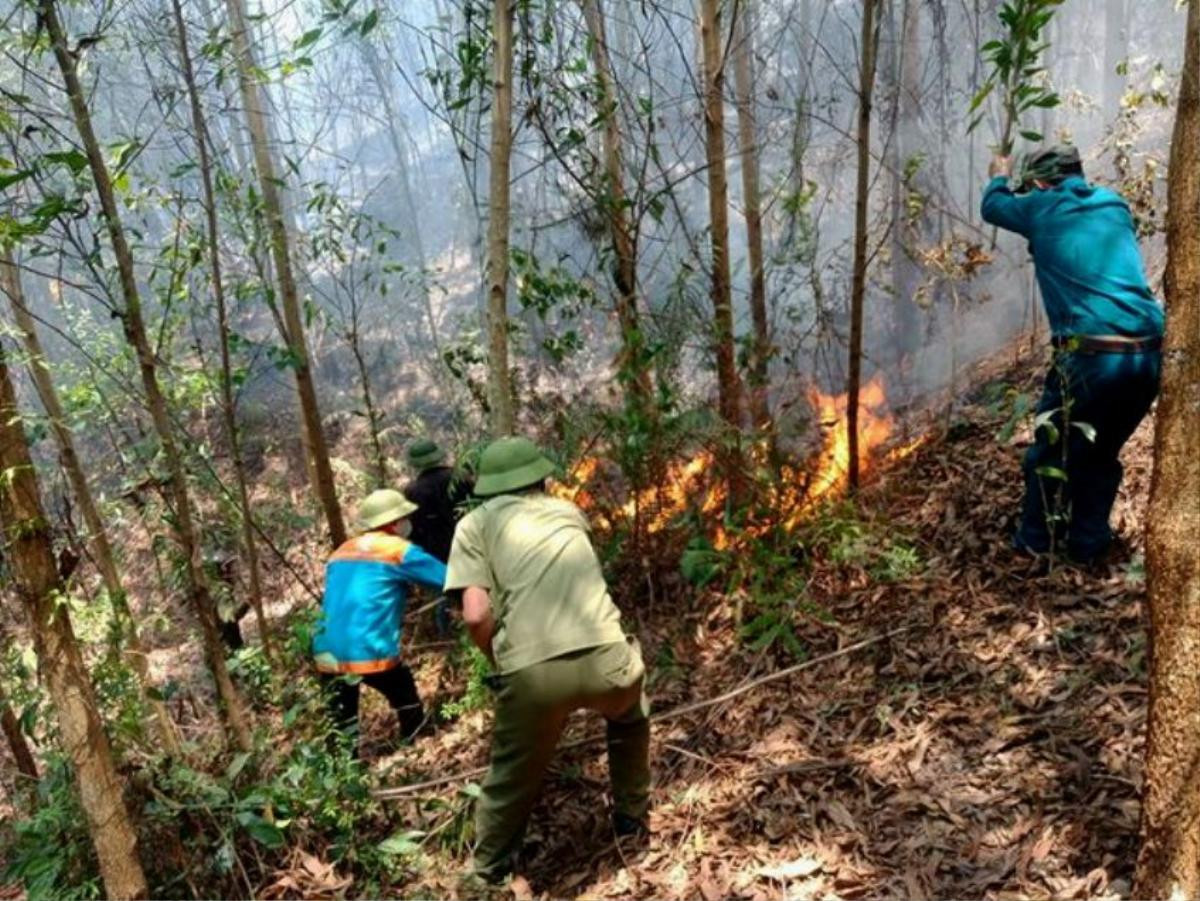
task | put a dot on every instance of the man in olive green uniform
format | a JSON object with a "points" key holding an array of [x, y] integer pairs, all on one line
{"points": [[535, 601]]}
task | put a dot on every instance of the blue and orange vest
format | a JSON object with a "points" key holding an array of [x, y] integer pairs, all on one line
{"points": [[362, 612]]}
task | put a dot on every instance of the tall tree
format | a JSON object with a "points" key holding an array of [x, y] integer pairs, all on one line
{"points": [[905, 164], [614, 204], [500, 389], [134, 325], [29, 552], [729, 397], [760, 348], [102, 550], [868, 51], [1169, 861], [1116, 48], [285, 277], [228, 406]]}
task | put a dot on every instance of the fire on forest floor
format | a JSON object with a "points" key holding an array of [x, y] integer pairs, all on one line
{"points": [[992, 751], [788, 495]]}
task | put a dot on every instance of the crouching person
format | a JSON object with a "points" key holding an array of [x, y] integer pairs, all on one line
{"points": [[535, 601], [362, 613]]}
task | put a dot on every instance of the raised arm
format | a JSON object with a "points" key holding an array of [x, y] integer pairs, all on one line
{"points": [[1000, 206]]}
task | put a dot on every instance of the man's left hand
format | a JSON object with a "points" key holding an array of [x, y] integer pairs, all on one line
{"points": [[1001, 165]]}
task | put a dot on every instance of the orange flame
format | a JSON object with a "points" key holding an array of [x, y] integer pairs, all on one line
{"points": [[695, 484]]}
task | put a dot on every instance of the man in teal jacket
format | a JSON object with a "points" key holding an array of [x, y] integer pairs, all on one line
{"points": [[1106, 328], [362, 613]]}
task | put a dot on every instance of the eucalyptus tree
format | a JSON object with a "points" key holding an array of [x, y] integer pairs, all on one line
{"points": [[200, 134], [729, 393], [38, 366], [1169, 861], [869, 49], [500, 388], [285, 276], [134, 326], [28, 550], [742, 40]]}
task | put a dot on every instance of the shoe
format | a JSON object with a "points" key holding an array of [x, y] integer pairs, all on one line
{"points": [[626, 826]]}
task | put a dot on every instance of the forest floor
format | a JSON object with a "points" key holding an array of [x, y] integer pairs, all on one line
{"points": [[992, 749]]}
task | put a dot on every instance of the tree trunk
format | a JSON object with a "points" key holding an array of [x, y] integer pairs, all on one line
{"points": [[39, 373], [906, 275], [728, 384], [614, 203], [17, 745], [228, 406], [28, 550], [868, 49], [1116, 48], [1169, 861], [760, 355], [264, 164], [135, 333], [379, 75], [500, 390], [373, 416]]}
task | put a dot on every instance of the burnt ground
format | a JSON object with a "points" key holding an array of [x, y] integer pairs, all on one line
{"points": [[992, 750]]}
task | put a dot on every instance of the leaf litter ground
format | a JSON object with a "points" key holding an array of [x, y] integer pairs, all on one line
{"points": [[991, 750]]}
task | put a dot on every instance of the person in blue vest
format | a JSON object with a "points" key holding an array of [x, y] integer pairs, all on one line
{"points": [[362, 613], [1106, 327]]}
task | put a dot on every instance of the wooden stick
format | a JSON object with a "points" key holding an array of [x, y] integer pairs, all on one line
{"points": [[404, 790]]}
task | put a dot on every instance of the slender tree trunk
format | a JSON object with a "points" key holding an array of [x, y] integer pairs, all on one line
{"points": [[39, 372], [760, 356], [228, 406], [1116, 48], [906, 276], [17, 745], [264, 163], [1169, 862], [868, 49], [27, 549], [231, 704], [500, 390], [728, 384], [614, 203], [404, 177], [373, 416]]}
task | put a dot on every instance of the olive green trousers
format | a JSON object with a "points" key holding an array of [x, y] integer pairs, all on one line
{"points": [[532, 705]]}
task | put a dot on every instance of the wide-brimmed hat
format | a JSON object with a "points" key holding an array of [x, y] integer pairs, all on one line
{"points": [[509, 464], [424, 453], [382, 507]]}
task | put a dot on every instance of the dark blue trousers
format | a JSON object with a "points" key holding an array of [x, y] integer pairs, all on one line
{"points": [[1110, 393]]}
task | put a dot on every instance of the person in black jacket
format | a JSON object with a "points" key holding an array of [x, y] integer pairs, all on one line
{"points": [[439, 491]]}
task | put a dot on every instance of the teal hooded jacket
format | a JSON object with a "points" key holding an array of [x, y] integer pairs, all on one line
{"points": [[1085, 252]]}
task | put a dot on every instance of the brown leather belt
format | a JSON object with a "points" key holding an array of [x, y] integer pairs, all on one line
{"points": [[1106, 344]]}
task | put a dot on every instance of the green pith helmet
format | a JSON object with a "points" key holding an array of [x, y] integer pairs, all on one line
{"points": [[424, 453], [384, 506], [1048, 164], [510, 463]]}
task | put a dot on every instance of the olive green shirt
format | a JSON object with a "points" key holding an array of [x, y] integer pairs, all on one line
{"points": [[533, 555]]}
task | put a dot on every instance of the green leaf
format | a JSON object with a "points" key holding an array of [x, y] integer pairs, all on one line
{"points": [[1089, 430], [369, 22], [13, 178], [402, 844], [1051, 472], [1045, 420], [72, 159], [261, 830], [1033, 136], [307, 39]]}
